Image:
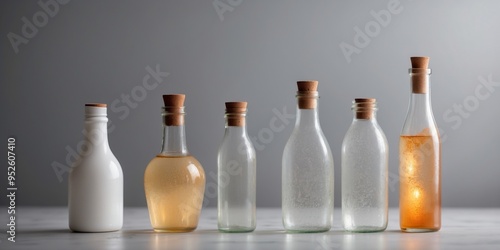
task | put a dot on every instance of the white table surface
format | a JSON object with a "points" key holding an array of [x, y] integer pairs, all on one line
{"points": [[46, 228]]}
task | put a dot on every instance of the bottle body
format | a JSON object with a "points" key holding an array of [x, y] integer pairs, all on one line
{"points": [[174, 181], [236, 182], [307, 173], [236, 168], [95, 194], [420, 161], [365, 156], [420, 188], [174, 187]]}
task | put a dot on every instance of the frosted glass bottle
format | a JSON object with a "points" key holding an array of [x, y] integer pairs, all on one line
{"points": [[236, 174], [174, 181], [365, 169], [95, 194], [307, 169], [420, 157]]}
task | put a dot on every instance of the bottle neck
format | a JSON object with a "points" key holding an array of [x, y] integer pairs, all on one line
{"points": [[364, 109], [174, 140], [174, 135], [96, 132], [420, 103], [371, 119], [307, 118], [307, 109], [96, 129], [420, 120], [420, 100], [234, 131], [236, 124]]}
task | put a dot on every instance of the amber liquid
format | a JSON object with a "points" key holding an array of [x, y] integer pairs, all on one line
{"points": [[174, 187], [420, 183]]}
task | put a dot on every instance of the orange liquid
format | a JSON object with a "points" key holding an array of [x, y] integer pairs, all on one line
{"points": [[174, 187], [420, 183]]}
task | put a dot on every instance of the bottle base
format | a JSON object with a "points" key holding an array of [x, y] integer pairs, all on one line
{"points": [[94, 230], [419, 230], [236, 230], [308, 230], [174, 230], [366, 229]]}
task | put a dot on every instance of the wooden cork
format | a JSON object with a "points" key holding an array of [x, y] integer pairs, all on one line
{"points": [[307, 94], [419, 74], [420, 62], [235, 113], [174, 109], [100, 105], [364, 107]]}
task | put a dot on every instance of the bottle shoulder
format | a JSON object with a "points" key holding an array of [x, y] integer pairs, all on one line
{"points": [[365, 127], [99, 169], [241, 144], [365, 135], [186, 165], [419, 120], [415, 126], [307, 142]]}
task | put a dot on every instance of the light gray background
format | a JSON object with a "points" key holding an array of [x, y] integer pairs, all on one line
{"points": [[95, 51]]}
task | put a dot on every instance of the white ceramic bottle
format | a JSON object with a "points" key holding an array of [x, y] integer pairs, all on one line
{"points": [[307, 169], [236, 174], [95, 196]]}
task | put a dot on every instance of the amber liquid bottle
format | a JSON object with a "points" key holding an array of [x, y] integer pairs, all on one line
{"points": [[174, 181], [420, 157]]}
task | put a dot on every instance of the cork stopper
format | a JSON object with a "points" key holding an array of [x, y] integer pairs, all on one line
{"points": [[420, 62], [364, 107], [174, 109], [419, 74], [235, 113], [100, 105], [307, 85], [307, 94]]}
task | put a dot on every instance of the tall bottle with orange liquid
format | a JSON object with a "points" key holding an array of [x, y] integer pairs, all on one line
{"points": [[174, 181], [420, 157]]}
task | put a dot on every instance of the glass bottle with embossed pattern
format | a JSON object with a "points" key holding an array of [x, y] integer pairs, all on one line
{"points": [[365, 170], [307, 169]]}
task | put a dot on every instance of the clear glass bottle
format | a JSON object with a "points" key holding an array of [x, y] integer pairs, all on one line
{"points": [[174, 181], [236, 174], [95, 195], [365, 171], [307, 169], [420, 157]]}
